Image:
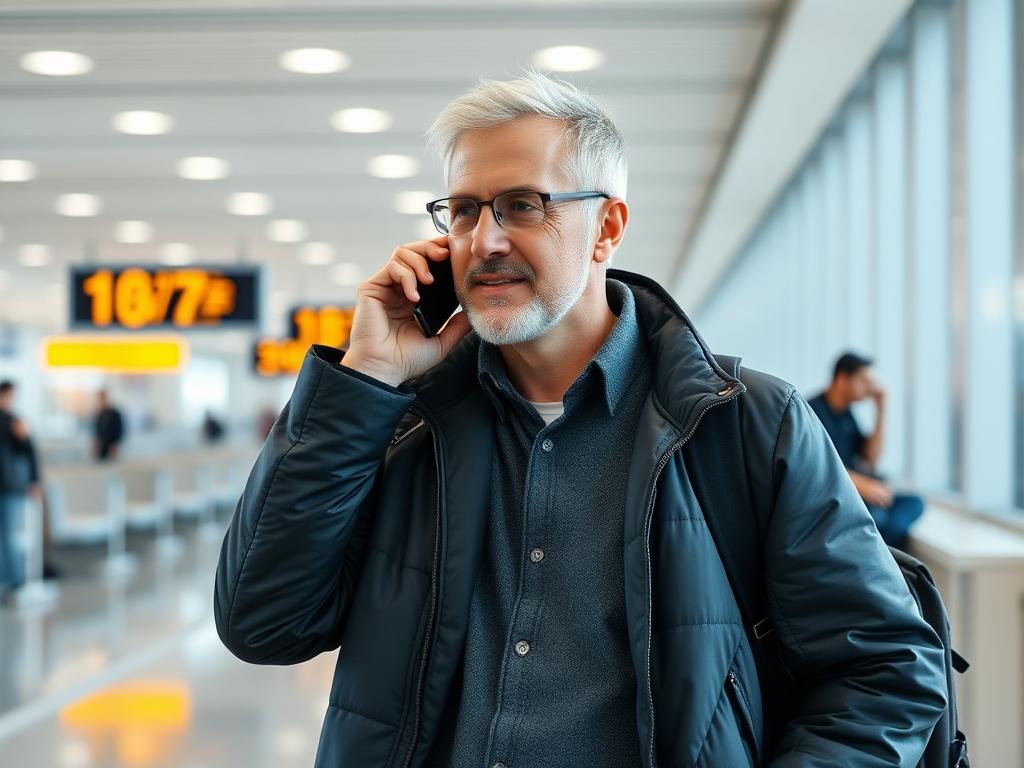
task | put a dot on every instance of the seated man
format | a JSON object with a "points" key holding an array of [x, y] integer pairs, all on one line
{"points": [[852, 381]]}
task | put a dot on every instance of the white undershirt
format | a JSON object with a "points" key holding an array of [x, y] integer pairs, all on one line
{"points": [[549, 411]]}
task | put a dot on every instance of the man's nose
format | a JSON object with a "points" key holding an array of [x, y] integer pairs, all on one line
{"points": [[488, 237]]}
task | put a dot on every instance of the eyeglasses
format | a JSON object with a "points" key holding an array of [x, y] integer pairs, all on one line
{"points": [[512, 210]]}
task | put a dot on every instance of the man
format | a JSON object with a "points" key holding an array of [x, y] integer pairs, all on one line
{"points": [[108, 429], [517, 572], [852, 381], [19, 477]]}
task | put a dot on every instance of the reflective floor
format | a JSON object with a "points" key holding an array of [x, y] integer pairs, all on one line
{"points": [[133, 674]]}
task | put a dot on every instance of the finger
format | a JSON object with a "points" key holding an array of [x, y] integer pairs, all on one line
{"points": [[405, 277], [436, 249], [417, 263]]}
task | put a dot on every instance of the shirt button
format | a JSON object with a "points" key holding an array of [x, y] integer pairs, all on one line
{"points": [[499, 765], [522, 647], [547, 445], [537, 555]]}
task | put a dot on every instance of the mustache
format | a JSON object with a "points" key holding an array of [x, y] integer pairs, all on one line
{"points": [[500, 266]]}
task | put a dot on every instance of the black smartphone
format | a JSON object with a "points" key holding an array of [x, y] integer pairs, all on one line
{"points": [[438, 301]]}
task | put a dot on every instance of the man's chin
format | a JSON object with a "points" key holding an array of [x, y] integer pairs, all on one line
{"points": [[505, 325]]}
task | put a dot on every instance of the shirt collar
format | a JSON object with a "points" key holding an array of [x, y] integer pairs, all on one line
{"points": [[615, 361]]}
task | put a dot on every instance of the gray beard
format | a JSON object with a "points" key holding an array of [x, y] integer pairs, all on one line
{"points": [[518, 325]]}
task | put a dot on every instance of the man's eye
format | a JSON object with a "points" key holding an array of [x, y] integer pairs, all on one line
{"points": [[523, 205]]}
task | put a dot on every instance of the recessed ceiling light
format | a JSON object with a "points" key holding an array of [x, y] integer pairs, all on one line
{"points": [[317, 254], [56, 63], [202, 168], [176, 254], [249, 204], [393, 166], [34, 255], [286, 231], [314, 61], [133, 232], [361, 120], [568, 58], [347, 273], [78, 204], [413, 202], [17, 170], [142, 123]]}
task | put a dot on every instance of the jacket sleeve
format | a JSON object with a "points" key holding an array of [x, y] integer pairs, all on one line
{"points": [[293, 550], [871, 670]]}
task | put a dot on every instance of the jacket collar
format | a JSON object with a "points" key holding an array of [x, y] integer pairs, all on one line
{"points": [[686, 375], [610, 372]]}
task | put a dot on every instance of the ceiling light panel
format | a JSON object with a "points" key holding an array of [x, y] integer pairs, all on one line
{"points": [[314, 61], [57, 63]]}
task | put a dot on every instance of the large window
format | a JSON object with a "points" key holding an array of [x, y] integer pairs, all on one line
{"points": [[902, 238]]}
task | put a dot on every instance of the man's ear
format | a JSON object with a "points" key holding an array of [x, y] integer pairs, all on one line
{"points": [[611, 227]]}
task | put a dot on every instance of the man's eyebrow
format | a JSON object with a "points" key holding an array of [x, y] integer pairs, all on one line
{"points": [[516, 188]]}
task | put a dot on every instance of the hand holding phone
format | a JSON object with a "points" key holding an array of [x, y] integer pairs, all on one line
{"points": [[400, 311]]}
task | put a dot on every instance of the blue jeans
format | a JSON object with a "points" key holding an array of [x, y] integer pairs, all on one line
{"points": [[894, 522], [12, 558]]}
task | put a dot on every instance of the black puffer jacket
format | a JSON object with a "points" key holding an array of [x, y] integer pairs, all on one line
{"points": [[348, 535]]}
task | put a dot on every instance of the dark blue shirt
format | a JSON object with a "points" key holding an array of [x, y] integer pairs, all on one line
{"points": [[547, 677], [842, 428]]}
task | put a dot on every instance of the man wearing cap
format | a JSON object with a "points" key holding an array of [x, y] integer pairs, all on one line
{"points": [[852, 382]]}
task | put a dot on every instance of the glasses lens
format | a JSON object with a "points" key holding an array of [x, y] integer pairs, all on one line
{"points": [[456, 215], [519, 209]]}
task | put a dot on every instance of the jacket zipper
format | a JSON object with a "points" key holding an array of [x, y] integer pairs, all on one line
{"points": [[647, 547], [433, 591], [744, 704]]}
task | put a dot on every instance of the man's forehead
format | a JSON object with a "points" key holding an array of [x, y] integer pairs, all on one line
{"points": [[530, 147]]}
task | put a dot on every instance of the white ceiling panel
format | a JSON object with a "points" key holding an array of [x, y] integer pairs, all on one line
{"points": [[676, 76]]}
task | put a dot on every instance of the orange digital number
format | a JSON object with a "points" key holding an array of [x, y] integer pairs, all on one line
{"points": [[192, 283], [163, 292], [133, 298], [307, 325], [220, 299], [100, 288]]}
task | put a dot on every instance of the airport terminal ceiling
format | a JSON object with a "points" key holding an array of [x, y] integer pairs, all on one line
{"points": [[674, 75]]}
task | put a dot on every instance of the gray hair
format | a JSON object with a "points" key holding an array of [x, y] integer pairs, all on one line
{"points": [[596, 159]]}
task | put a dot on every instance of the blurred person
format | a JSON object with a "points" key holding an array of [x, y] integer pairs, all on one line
{"points": [[108, 429], [852, 382], [19, 479], [213, 428], [498, 524]]}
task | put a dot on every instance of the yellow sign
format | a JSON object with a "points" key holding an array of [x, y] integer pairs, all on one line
{"points": [[123, 354], [328, 325], [142, 297]]}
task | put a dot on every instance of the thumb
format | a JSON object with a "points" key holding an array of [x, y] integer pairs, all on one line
{"points": [[458, 326]]}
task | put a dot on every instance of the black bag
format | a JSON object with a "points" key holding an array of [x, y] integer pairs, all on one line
{"points": [[713, 470]]}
